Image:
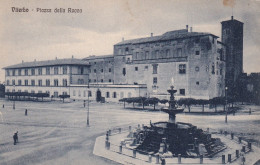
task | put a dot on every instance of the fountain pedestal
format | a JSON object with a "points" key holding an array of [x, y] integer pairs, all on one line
{"points": [[172, 110]]}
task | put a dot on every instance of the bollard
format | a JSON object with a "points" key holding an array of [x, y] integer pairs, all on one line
{"points": [[163, 161], [237, 153], [119, 129], [179, 158], [223, 159], [229, 158], [239, 139], [150, 158], [232, 136], [249, 145], [243, 148], [108, 145], [201, 159], [157, 159], [120, 149], [134, 153], [130, 128]]}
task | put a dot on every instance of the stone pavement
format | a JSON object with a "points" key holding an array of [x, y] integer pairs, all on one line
{"points": [[126, 157]]}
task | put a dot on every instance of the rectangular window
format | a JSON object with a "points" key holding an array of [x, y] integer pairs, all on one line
{"points": [[89, 94], [179, 52], [213, 69], [7, 72], [156, 54], [56, 94], [7, 82], [146, 55], [48, 71], [56, 70], [19, 72], [39, 82], [102, 80], [182, 68], [32, 82], [109, 80], [102, 70], [155, 80], [64, 69], [56, 82], [95, 80], [13, 72], [114, 94], [48, 82], [26, 72], [155, 68], [64, 82], [182, 91], [80, 70], [13, 82], [109, 70], [89, 80], [95, 71], [197, 52], [146, 67], [136, 68], [26, 82], [167, 53], [19, 82], [197, 83], [33, 71], [107, 95], [39, 71]]}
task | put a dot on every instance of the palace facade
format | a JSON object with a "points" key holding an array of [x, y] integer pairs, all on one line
{"points": [[140, 67]]}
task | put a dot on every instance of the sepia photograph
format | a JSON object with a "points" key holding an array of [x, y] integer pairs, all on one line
{"points": [[131, 82]]}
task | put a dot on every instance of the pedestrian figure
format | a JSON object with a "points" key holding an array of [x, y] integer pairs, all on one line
{"points": [[15, 137], [25, 112], [249, 111], [3, 106], [243, 159]]}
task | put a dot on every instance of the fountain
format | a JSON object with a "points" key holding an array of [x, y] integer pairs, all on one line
{"points": [[176, 137]]}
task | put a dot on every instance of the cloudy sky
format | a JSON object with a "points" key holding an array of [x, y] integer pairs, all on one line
{"points": [[43, 36]]}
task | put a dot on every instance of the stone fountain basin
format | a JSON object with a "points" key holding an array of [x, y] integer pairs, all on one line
{"points": [[172, 111]]}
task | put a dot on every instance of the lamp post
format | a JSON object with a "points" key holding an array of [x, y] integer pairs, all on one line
{"points": [[14, 98], [226, 103], [88, 107]]}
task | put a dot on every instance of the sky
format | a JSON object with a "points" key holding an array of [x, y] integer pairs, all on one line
{"points": [[29, 36]]}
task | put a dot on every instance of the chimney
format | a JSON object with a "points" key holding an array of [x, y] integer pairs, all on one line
{"points": [[187, 27], [151, 34], [190, 29], [123, 39], [72, 56], [232, 17]]}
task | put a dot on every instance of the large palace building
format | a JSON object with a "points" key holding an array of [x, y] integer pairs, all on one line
{"points": [[197, 62]]}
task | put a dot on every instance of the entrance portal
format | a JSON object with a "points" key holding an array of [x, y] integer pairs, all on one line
{"points": [[98, 98]]}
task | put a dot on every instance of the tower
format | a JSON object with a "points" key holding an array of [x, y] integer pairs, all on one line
{"points": [[232, 37]]}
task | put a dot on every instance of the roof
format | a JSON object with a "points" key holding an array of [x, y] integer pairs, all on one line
{"points": [[171, 35], [98, 57], [67, 61]]}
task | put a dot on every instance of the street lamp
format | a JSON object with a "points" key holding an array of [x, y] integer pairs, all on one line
{"points": [[88, 107], [226, 104], [14, 97]]}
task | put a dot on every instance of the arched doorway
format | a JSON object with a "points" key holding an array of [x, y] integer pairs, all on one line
{"points": [[98, 98]]}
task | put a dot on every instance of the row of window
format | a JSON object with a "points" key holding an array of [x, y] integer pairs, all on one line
{"points": [[101, 80], [101, 70], [40, 82], [40, 71]]}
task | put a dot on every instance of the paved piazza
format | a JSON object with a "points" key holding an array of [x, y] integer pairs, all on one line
{"points": [[56, 132]]}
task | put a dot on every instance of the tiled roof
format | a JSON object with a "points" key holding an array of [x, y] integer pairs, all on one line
{"points": [[171, 35], [68, 61], [97, 57]]}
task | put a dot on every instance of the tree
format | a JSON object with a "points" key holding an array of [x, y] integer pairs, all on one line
{"points": [[163, 101], [202, 102], [217, 101], [140, 100], [187, 102], [153, 101], [64, 96], [123, 100]]}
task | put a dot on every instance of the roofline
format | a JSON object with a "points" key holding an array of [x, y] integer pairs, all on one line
{"points": [[98, 57], [232, 20], [165, 39]]}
